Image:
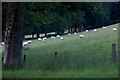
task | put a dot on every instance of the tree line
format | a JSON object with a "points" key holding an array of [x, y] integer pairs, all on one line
{"points": [[66, 16]]}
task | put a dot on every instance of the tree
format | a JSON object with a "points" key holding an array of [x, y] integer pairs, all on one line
{"points": [[14, 30], [37, 15], [115, 12], [13, 34]]}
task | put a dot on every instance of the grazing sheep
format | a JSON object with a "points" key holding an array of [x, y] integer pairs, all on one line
{"points": [[3, 43], [86, 30], [75, 33], [61, 38], [53, 37], [29, 41], [104, 27], [39, 39], [69, 34], [25, 43], [58, 36], [95, 30], [44, 38], [81, 36], [114, 29]]}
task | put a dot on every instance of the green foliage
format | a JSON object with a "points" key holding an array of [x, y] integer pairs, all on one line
{"points": [[38, 14], [59, 15], [115, 12], [95, 8], [4, 17]]}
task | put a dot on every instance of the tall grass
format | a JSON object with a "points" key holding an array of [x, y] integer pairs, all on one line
{"points": [[88, 57]]}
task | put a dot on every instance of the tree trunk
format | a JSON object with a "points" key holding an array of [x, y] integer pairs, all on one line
{"points": [[71, 29], [75, 29], [58, 32], [45, 34], [3, 37], [37, 35], [14, 34], [32, 35], [23, 37], [79, 28], [68, 30]]}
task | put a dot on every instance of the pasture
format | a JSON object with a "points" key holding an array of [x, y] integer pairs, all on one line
{"points": [[88, 57]]}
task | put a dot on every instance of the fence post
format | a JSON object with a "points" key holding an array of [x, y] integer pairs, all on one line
{"points": [[24, 58], [55, 54], [114, 52]]}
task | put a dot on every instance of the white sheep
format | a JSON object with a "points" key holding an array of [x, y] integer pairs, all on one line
{"points": [[29, 41], [104, 27], [86, 30], [44, 38], [53, 37], [39, 39], [95, 30], [69, 34], [81, 36], [25, 43], [58, 36], [61, 38], [75, 33], [3, 43], [114, 29]]}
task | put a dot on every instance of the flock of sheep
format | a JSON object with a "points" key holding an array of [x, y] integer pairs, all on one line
{"points": [[58, 36]]}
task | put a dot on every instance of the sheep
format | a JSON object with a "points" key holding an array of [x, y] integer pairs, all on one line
{"points": [[58, 36], [39, 39], [69, 34], [86, 30], [25, 43], [29, 41], [81, 36], [95, 30], [75, 33], [53, 37], [3, 43], [114, 29], [44, 38], [61, 38], [104, 27]]}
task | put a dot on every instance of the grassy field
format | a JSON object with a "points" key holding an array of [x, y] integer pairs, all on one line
{"points": [[88, 57]]}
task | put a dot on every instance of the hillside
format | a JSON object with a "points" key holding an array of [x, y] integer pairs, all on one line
{"points": [[77, 57]]}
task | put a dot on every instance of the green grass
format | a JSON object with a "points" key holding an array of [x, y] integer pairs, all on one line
{"points": [[88, 57]]}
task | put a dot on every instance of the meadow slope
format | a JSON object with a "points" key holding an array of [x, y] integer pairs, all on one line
{"points": [[88, 57]]}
